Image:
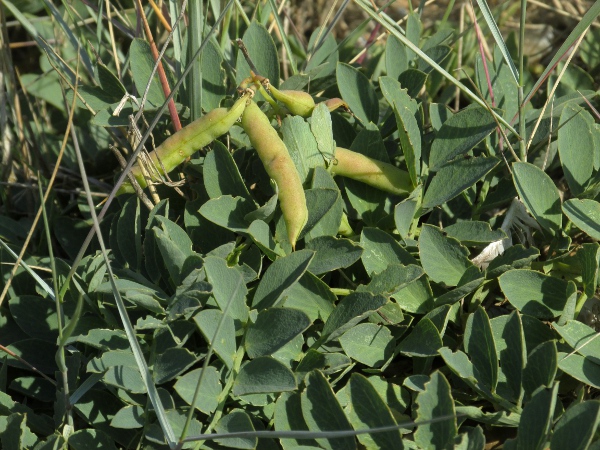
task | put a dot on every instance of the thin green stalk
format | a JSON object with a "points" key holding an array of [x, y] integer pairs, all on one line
{"points": [[60, 354], [522, 130]]}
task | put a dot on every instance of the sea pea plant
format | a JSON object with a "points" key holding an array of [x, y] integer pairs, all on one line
{"points": [[386, 255]]}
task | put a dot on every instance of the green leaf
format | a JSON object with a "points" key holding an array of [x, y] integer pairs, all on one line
{"points": [[459, 134], [382, 250], [472, 439], [462, 290], [423, 340], [396, 60], [368, 410], [125, 377], [479, 345], [322, 129], [279, 277], [36, 388], [350, 311], [582, 338], [89, 438], [224, 345], [320, 202], [288, 417], [437, 53], [576, 427], [540, 195], [510, 345], [443, 258], [576, 126], [409, 133], [235, 422], [142, 63], [40, 354], [229, 288], [473, 232], [129, 233], [16, 434], [369, 202], [358, 92], [368, 344], [208, 399], [541, 367], [438, 114], [405, 211], [273, 329], [302, 145], [263, 53], [536, 420], [35, 315], [175, 247], [228, 212], [459, 364], [171, 363], [515, 257], [580, 368], [322, 412], [414, 28], [332, 253], [329, 224], [312, 296], [221, 174], [213, 75], [260, 233], [435, 402], [534, 293], [392, 280], [413, 81], [455, 177], [585, 214], [103, 339], [129, 417], [263, 375], [589, 256]]}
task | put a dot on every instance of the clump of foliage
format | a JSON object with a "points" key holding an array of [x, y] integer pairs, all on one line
{"points": [[416, 269]]}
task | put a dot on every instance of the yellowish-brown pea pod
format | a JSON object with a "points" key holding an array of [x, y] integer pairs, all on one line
{"points": [[175, 149], [379, 174], [280, 167]]}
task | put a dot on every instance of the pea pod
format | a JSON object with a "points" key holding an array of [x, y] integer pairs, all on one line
{"points": [[298, 103], [175, 149], [378, 174], [279, 166]]}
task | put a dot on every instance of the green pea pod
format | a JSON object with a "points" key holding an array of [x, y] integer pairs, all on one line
{"points": [[201, 132], [298, 103], [279, 166], [379, 174]]}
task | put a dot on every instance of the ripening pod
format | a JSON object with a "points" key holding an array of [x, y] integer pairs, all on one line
{"points": [[191, 138], [280, 167], [298, 103], [379, 174]]}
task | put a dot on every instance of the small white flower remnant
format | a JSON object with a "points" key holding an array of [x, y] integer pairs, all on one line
{"points": [[517, 218]]}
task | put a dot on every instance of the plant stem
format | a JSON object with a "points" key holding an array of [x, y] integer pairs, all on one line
{"points": [[522, 130]]}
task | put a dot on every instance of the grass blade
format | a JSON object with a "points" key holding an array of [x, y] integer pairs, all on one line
{"points": [[493, 26]]}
